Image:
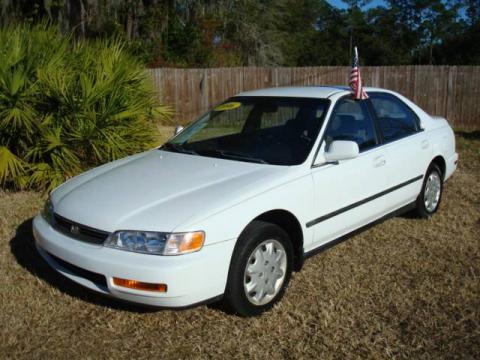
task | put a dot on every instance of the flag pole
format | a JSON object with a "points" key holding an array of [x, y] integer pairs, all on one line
{"points": [[355, 81]]}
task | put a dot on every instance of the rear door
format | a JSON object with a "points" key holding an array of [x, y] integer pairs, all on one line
{"points": [[348, 194], [406, 148]]}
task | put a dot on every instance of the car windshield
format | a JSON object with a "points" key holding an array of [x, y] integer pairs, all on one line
{"points": [[268, 130]]}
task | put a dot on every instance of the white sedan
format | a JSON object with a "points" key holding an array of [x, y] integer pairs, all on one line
{"points": [[235, 202]]}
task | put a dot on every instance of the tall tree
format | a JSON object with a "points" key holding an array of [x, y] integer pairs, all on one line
{"points": [[269, 32]]}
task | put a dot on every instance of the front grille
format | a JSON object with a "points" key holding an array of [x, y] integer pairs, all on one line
{"points": [[78, 231], [98, 279]]}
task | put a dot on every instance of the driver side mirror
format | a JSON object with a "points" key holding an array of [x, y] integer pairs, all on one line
{"points": [[341, 150], [178, 129]]}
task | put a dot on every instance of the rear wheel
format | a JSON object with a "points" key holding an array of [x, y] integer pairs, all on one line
{"points": [[429, 199], [260, 270]]}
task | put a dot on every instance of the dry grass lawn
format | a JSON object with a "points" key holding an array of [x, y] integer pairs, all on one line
{"points": [[404, 289]]}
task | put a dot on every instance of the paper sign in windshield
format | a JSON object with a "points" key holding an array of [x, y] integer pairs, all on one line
{"points": [[228, 106]]}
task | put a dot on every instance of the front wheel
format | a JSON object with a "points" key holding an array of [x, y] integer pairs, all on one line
{"points": [[429, 199], [260, 270]]}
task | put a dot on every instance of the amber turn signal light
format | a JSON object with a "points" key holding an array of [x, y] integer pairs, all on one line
{"points": [[193, 242], [138, 285]]}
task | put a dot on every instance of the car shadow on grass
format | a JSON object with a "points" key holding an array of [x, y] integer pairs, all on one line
{"points": [[22, 246], [469, 135]]}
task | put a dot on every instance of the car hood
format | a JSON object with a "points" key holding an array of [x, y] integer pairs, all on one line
{"points": [[159, 190]]}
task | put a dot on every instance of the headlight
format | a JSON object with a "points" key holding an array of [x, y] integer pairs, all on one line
{"points": [[156, 243], [47, 211]]}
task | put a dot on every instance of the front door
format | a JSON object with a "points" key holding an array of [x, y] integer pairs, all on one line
{"points": [[348, 194]]}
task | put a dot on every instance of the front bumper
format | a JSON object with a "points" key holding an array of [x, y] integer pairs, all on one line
{"points": [[191, 278]]}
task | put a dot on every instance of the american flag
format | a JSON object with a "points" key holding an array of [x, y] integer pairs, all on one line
{"points": [[356, 80]]}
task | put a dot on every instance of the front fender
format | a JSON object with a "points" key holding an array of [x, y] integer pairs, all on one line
{"points": [[295, 197]]}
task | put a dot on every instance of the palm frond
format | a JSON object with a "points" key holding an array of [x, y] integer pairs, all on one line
{"points": [[11, 167], [45, 177], [66, 106]]}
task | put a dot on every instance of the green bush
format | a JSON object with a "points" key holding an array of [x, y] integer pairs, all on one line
{"points": [[66, 106]]}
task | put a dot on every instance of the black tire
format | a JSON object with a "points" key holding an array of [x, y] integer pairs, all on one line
{"points": [[421, 209], [252, 237]]}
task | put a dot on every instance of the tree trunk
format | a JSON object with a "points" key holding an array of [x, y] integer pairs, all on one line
{"points": [[75, 14]]}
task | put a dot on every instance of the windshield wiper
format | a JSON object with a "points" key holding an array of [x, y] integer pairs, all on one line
{"points": [[178, 148], [233, 155]]}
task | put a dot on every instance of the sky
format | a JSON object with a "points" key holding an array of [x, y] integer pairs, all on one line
{"points": [[374, 3], [340, 4]]}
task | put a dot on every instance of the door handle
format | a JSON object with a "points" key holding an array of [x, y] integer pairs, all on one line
{"points": [[379, 161], [425, 144]]}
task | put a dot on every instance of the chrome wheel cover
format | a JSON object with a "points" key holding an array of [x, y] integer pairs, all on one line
{"points": [[433, 189], [265, 272]]}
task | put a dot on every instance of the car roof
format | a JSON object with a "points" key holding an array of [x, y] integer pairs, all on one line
{"points": [[322, 92]]}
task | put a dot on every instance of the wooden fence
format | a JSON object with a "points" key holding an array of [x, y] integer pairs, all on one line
{"points": [[449, 91]]}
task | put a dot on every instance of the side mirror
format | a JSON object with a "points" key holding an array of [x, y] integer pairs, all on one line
{"points": [[341, 150], [178, 129]]}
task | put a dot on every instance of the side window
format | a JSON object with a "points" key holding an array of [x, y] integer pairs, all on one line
{"points": [[351, 121], [396, 120]]}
